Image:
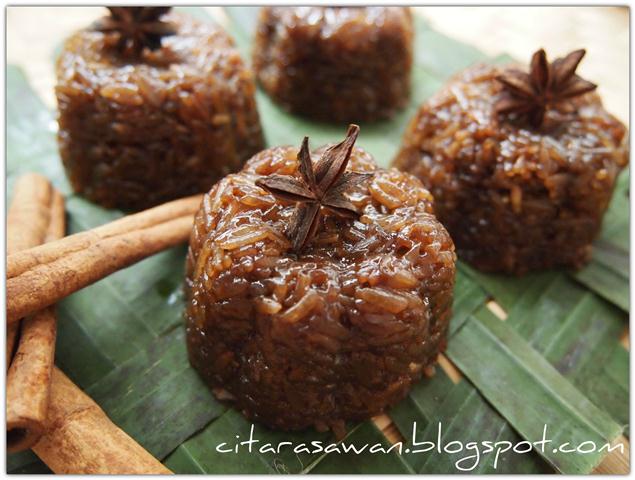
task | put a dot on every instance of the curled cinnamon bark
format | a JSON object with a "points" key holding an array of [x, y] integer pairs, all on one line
{"points": [[29, 215], [39, 277], [81, 439], [36, 215], [48, 253], [28, 381], [12, 335], [27, 222], [45, 410]]}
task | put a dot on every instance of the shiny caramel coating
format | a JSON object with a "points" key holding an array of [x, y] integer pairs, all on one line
{"points": [[515, 198], [336, 64], [134, 133], [336, 332]]}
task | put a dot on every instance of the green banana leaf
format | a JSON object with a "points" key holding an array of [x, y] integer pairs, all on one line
{"points": [[555, 357], [459, 412], [529, 392], [574, 329], [159, 386]]}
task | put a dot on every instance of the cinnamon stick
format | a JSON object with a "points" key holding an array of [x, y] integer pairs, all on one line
{"points": [[48, 253], [39, 277], [29, 215], [57, 224], [12, 335], [81, 439], [27, 221], [29, 376]]}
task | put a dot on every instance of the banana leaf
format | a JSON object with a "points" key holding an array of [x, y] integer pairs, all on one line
{"points": [[606, 280], [574, 329], [459, 413], [462, 412], [25, 462], [468, 296], [366, 434], [216, 449], [121, 339], [156, 397], [578, 333], [31, 144], [608, 272], [530, 393]]}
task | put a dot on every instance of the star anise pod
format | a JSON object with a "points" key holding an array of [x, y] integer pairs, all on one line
{"points": [[136, 27], [545, 86], [321, 188]]}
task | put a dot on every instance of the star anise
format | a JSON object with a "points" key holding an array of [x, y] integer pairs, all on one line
{"points": [[320, 188], [545, 86], [136, 27]]}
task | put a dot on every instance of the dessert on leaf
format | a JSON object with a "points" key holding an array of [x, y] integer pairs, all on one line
{"points": [[521, 162], [336, 64], [318, 286], [153, 105]]}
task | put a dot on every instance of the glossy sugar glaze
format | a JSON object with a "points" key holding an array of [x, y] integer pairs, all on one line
{"points": [[335, 333], [515, 198], [336, 64], [136, 133]]}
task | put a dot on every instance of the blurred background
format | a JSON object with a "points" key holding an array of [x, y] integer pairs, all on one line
{"points": [[518, 31]]}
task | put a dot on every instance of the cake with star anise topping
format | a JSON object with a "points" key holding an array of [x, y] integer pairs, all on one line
{"points": [[153, 105], [521, 163], [336, 64], [318, 286]]}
